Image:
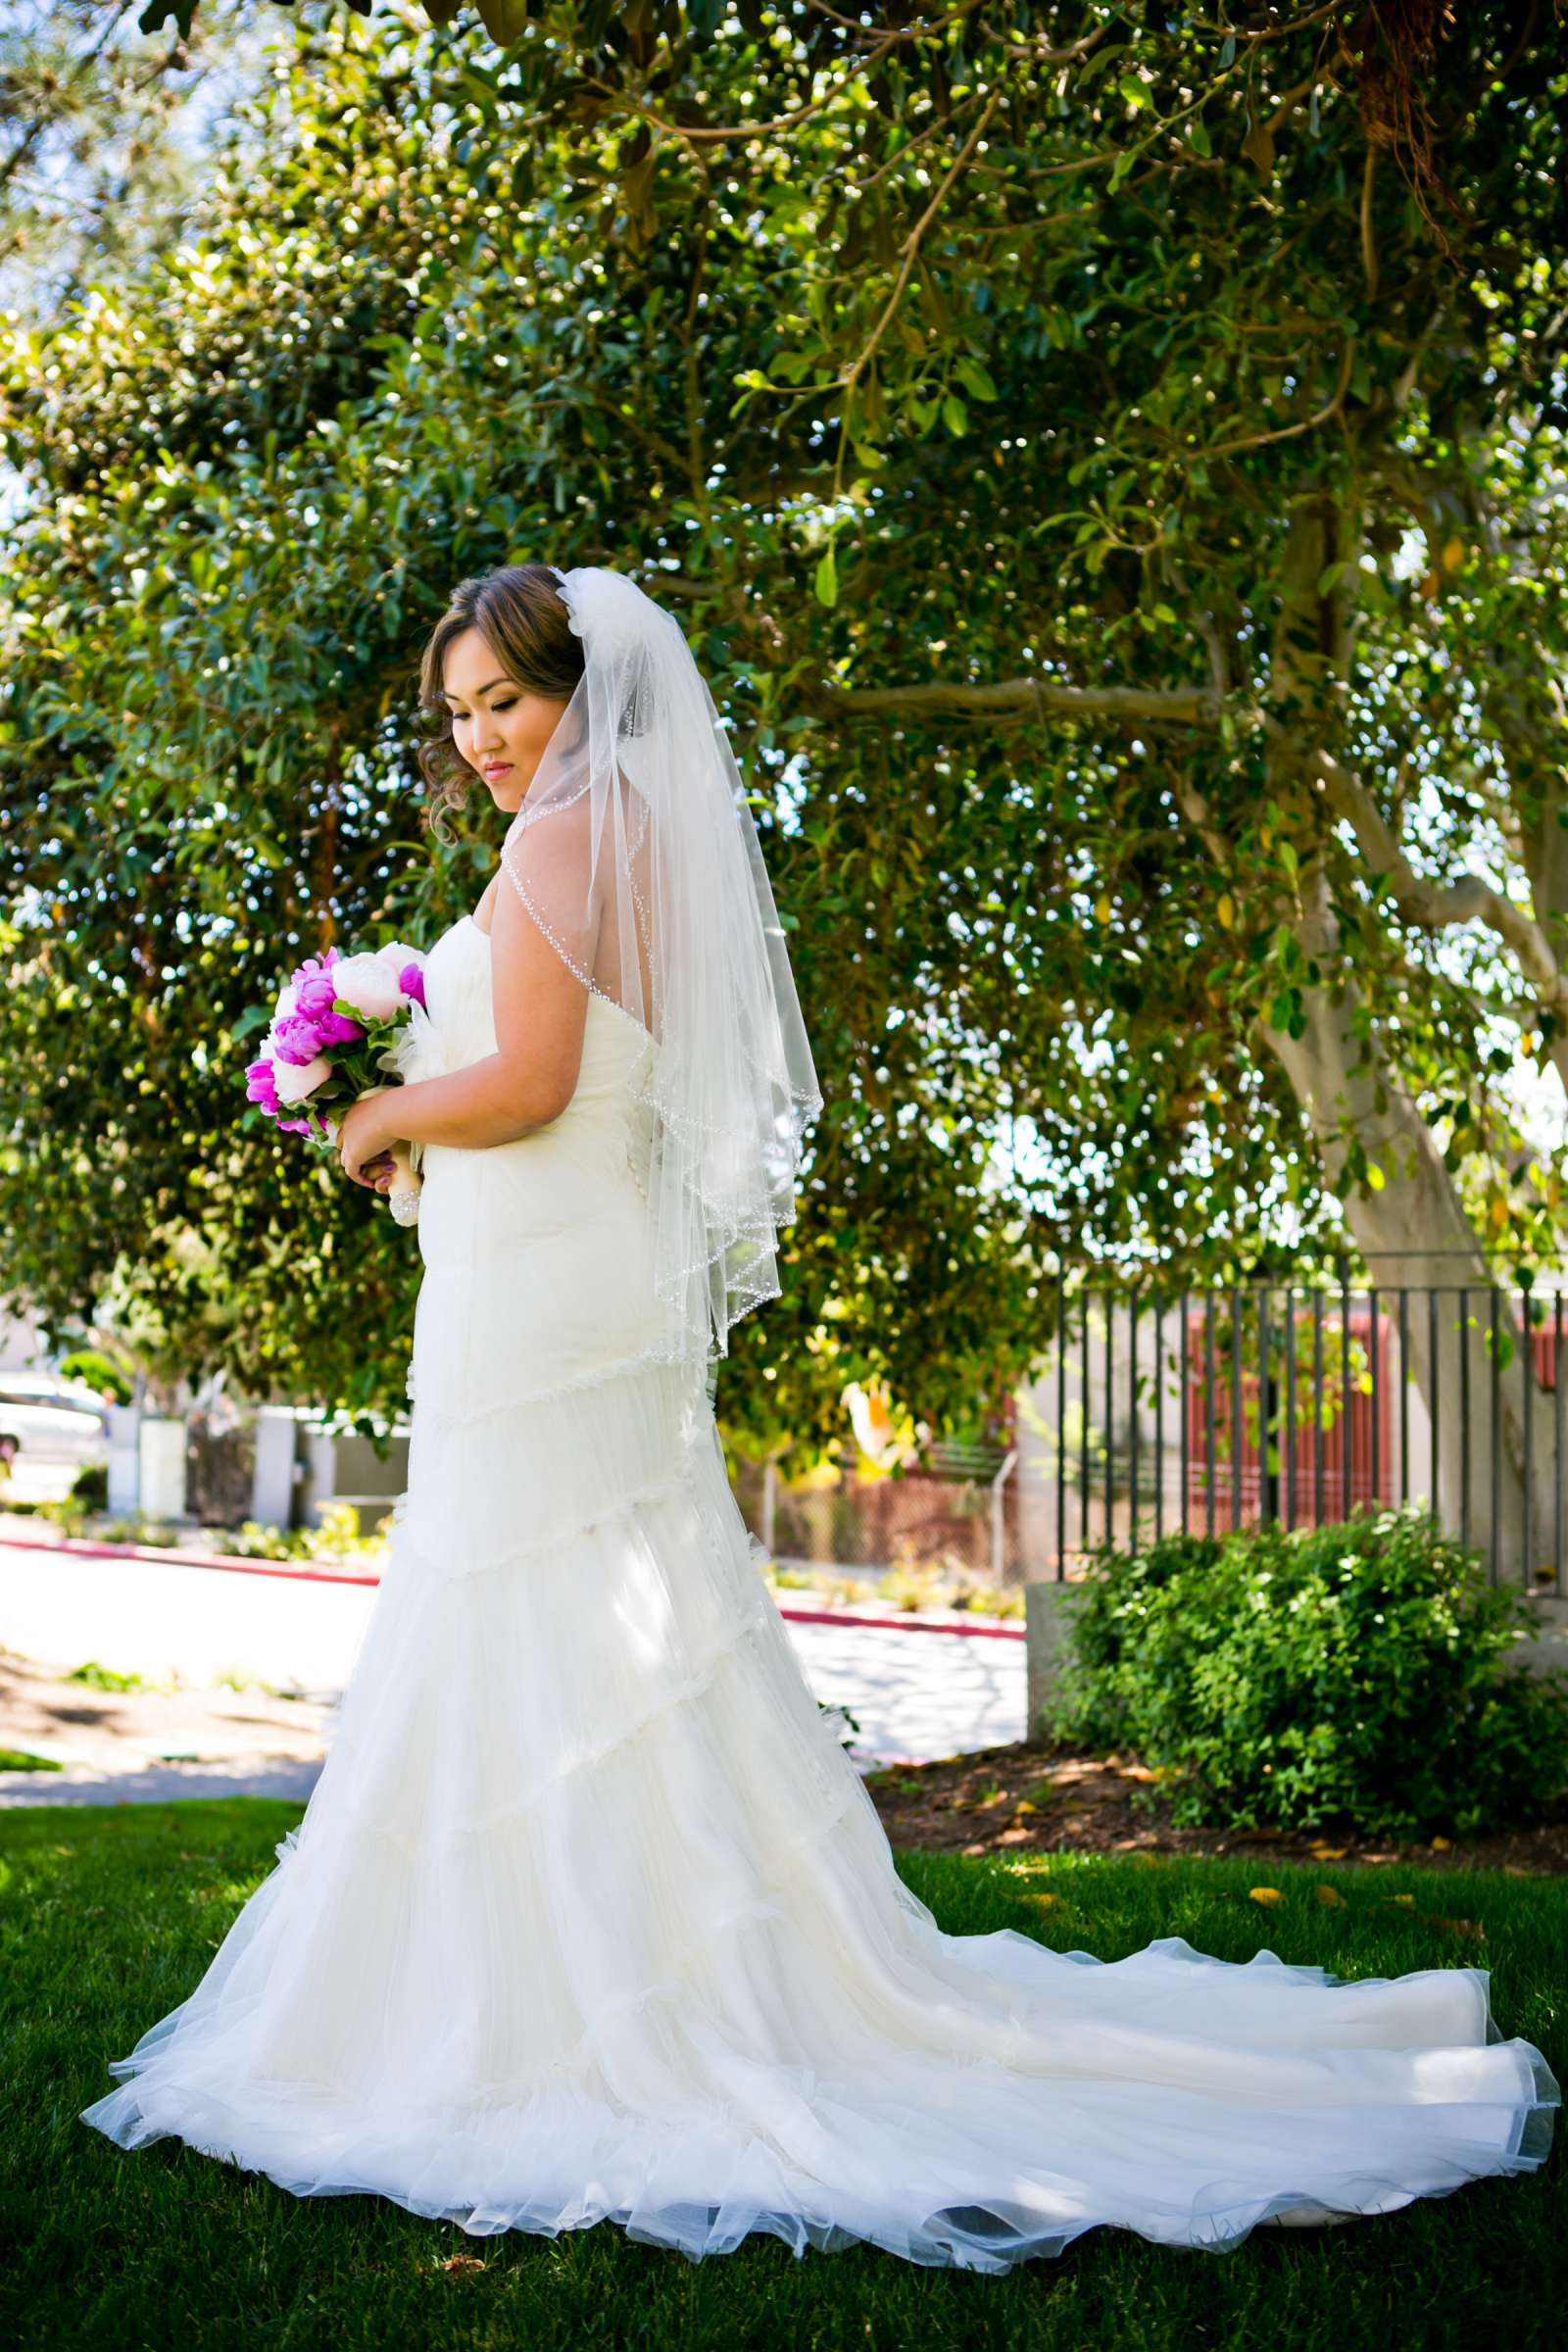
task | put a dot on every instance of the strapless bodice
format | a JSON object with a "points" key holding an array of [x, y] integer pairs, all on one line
{"points": [[456, 1025], [564, 1206]]}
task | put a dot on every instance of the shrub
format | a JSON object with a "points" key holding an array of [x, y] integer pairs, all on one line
{"points": [[90, 1486], [336, 1539], [1351, 1673], [69, 1514], [100, 1372]]}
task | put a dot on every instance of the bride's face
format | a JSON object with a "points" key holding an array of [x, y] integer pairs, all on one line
{"points": [[501, 728]]}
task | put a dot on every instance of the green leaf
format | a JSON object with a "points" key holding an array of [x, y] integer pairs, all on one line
{"points": [[828, 579], [976, 377], [955, 416], [504, 21], [1135, 92], [1198, 136], [792, 366]]}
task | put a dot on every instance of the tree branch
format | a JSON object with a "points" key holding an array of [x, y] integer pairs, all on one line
{"points": [[1198, 814], [911, 243], [1370, 248], [1433, 905], [1193, 705], [1288, 432]]}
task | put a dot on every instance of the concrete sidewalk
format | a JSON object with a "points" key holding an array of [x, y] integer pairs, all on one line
{"points": [[115, 1746], [914, 1696]]}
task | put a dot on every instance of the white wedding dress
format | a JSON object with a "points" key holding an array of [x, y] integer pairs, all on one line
{"points": [[589, 1915]]}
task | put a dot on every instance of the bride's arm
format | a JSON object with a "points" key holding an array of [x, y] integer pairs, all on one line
{"points": [[471, 1108]]}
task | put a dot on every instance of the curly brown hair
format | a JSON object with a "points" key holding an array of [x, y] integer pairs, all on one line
{"points": [[520, 610]]}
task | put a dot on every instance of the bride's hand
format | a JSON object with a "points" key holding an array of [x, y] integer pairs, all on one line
{"points": [[363, 1143]]}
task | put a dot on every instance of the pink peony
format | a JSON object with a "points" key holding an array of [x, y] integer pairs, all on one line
{"points": [[314, 995], [296, 1040], [338, 1029], [261, 1085]]}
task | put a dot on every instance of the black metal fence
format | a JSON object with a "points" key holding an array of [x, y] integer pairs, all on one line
{"points": [[1269, 1401]]}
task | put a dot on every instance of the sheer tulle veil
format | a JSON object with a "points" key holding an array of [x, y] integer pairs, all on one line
{"points": [[636, 853]]}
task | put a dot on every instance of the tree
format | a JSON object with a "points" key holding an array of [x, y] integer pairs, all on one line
{"points": [[97, 160], [1054, 441]]}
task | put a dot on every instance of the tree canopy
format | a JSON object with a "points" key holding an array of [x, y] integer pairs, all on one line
{"points": [[1111, 473]]}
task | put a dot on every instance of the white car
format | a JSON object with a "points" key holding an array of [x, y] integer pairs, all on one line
{"points": [[49, 1428]]}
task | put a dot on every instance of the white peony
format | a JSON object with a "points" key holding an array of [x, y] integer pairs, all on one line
{"points": [[294, 1080], [369, 983], [288, 999], [400, 956]]}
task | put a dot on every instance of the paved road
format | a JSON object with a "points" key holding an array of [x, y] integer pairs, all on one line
{"points": [[912, 1695]]}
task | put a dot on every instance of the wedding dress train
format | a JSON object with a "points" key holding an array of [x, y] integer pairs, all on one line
{"points": [[590, 1916]]}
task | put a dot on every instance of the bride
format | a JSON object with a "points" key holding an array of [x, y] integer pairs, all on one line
{"points": [[589, 1916]]}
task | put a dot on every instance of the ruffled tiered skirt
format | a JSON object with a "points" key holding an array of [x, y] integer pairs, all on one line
{"points": [[589, 1916]]}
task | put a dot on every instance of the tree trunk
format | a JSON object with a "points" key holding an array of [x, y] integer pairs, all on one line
{"points": [[1415, 1234], [1414, 1230]]}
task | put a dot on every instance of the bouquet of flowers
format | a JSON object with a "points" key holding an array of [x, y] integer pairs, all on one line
{"points": [[334, 1032]]}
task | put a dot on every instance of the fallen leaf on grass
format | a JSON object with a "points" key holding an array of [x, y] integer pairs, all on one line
{"points": [[1409, 1900], [1471, 1929], [1265, 1894], [463, 2262], [1024, 1806], [1329, 1853], [1330, 1894], [1045, 1901], [1441, 1845]]}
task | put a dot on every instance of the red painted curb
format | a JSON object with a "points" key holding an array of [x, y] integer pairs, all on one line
{"points": [[83, 1547], [904, 1623]]}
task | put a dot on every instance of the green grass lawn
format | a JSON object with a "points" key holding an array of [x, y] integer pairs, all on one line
{"points": [[108, 1916]]}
